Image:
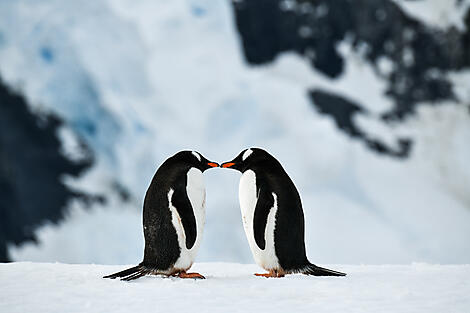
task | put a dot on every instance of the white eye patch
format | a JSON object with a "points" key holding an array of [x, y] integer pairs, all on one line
{"points": [[246, 154], [196, 155]]}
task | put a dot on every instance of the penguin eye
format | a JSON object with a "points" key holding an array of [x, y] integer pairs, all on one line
{"points": [[197, 155]]}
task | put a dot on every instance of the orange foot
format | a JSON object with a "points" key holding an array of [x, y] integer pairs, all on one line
{"points": [[272, 273], [190, 275]]}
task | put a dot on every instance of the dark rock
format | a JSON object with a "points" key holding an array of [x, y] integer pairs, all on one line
{"points": [[343, 110], [421, 55], [31, 171]]}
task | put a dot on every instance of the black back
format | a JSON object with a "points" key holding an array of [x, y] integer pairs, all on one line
{"points": [[161, 241], [289, 231]]}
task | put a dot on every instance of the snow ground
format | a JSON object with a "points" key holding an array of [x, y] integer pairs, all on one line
{"points": [[231, 287]]}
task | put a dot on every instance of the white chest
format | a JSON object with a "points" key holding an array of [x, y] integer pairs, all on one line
{"points": [[197, 197], [248, 198]]}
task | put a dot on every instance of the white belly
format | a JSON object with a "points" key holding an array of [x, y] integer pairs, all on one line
{"points": [[197, 196], [266, 258]]}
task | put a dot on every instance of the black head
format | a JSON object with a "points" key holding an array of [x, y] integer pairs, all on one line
{"points": [[194, 159], [249, 157]]}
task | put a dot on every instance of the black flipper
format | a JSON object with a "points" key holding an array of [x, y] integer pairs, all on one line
{"points": [[131, 273], [182, 204], [314, 270], [264, 205]]}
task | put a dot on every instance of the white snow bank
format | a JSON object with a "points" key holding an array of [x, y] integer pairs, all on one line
{"points": [[230, 287], [437, 13]]}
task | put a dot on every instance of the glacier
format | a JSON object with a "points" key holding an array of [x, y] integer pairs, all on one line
{"points": [[138, 81]]}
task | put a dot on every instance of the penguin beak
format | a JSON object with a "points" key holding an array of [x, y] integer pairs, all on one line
{"points": [[213, 164], [227, 164]]}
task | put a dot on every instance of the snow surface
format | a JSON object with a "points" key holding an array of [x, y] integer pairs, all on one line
{"points": [[140, 80], [437, 13], [231, 287]]}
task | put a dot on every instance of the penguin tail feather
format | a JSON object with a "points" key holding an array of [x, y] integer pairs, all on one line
{"points": [[130, 273], [314, 270]]}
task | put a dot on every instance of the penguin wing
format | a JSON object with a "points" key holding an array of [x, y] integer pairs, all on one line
{"points": [[264, 205], [182, 204]]}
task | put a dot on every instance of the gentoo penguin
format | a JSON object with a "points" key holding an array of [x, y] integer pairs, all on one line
{"points": [[272, 216], [173, 218]]}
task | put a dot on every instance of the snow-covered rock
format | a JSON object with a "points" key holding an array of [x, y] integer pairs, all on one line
{"points": [[383, 179]]}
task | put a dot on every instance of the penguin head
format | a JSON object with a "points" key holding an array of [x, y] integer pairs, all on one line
{"points": [[247, 158], [194, 159]]}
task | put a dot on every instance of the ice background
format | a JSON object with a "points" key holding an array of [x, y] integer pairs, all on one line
{"points": [[139, 81]]}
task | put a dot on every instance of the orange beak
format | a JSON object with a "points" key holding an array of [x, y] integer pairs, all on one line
{"points": [[212, 164], [229, 164]]}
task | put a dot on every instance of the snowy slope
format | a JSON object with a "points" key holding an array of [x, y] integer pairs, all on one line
{"points": [[140, 81], [231, 287], [437, 13]]}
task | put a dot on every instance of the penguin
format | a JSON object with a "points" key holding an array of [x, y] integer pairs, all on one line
{"points": [[173, 218], [272, 215]]}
